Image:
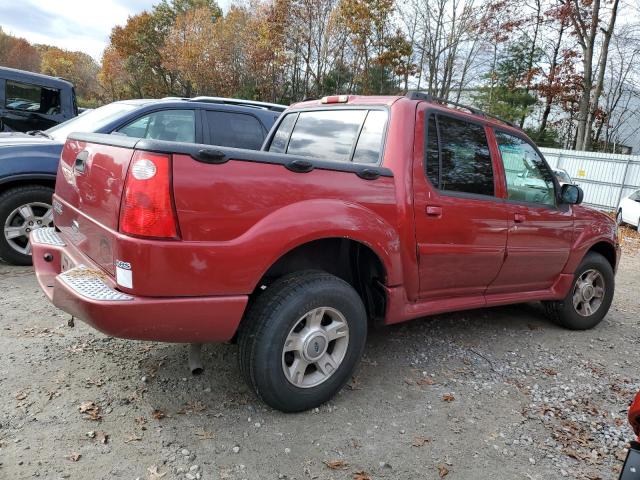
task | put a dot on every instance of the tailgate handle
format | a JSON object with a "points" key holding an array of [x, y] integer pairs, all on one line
{"points": [[299, 166], [81, 161], [207, 155]]}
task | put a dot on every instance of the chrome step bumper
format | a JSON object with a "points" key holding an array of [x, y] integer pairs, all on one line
{"points": [[90, 284], [47, 236]]}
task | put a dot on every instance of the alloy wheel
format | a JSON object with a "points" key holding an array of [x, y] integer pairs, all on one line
{"points": [[22, 221], [315, 347], [588, 292]]}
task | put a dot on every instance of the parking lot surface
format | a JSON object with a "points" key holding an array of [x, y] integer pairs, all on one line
{"points": [[492, 394]]}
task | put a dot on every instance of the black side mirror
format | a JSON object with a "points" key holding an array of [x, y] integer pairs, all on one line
{"points": [[571, 194]]}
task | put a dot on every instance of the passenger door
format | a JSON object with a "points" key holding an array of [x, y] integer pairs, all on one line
{"points": [[460, 224], [540, 230], [232, 129]]}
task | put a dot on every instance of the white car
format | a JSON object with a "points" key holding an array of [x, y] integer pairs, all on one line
{"points": [[629, 210]]}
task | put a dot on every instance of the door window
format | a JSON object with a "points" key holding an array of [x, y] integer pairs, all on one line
{"points": [[236, 130], [32, 98], [528, 177], [169, 125], [457, 156]]}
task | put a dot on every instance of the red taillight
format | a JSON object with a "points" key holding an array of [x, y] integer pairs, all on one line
{"points": [[147, 206]]}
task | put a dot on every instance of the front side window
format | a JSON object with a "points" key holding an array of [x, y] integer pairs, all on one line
{"points": [[236, 130], [31, 98], [169, 125], [337, 135], [457, 156], [528, 177]]}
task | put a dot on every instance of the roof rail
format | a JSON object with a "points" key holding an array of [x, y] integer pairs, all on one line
{"points": [[416, 95], [236, 101]]}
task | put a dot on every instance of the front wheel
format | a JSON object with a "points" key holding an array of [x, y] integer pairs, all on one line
{"points": [[589, 298], [302, 339]]}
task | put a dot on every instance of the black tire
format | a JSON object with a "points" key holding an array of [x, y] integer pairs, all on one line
{"points": [[566, 315], [9, 201], [272, 317]]}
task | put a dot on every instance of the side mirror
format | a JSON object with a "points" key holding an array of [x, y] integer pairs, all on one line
{"points": [[571, 194]]}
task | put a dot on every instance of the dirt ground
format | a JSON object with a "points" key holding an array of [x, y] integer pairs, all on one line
{"points": [[486, 394]]}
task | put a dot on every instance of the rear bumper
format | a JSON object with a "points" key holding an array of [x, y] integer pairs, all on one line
{"points": [[86, 292]]}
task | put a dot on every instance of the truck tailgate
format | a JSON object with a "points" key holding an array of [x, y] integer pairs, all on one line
{"points": [[88, 193]]}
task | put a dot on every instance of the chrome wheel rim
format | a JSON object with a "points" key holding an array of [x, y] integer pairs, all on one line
{"points": [[22, 221], [588, 293], [315, 347]]}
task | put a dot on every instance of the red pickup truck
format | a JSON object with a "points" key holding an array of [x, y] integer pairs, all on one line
{"points": [[357, 210]]}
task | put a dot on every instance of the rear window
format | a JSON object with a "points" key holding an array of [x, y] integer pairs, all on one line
{"points": [[337, 135], [31, 98]]}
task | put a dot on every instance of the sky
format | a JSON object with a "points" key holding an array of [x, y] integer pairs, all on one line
{"points": [[82, 25]]}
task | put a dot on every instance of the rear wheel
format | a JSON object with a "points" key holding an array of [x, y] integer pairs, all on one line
{"points": [[302, 339], [589, 298], [23, 210]]}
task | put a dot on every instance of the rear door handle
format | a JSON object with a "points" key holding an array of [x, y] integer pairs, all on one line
{"points": [[518, 218], [434, 211]]}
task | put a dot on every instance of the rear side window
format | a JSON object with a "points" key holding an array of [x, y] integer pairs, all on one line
{"points": [[169, 125], [236, 130], [457, 156], [337, 135], [31, 98]]}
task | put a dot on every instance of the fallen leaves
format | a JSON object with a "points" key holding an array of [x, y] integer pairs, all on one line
{"points": [[420, 441], [132, 438], [205, 435], [448, 397], [443, 471], [158, 414], [425, 381], [74, 456], [192, 407], [336, 464], [90, 410], [21, 396], [361, 475]]}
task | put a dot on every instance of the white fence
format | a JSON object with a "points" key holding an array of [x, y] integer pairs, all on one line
{"points": [[605, 177]]}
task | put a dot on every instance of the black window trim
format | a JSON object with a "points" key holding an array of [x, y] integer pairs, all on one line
{"points": [[367, 108], [556, 184], [453, 193]]}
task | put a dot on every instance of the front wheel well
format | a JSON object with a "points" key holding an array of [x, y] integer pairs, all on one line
{"points": [[607, 251], [350, 260], [26, 182]]}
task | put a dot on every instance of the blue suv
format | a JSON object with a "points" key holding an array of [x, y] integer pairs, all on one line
{"points": [[29, 162]]}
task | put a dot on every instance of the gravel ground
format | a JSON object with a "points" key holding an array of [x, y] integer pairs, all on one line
{"points": [[486, 394]]}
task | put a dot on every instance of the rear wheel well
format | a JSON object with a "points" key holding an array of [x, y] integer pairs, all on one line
{"points": [[51, 183], [607, 251], [352, 261]]}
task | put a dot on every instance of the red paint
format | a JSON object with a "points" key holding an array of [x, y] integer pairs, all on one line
{"points": [[634, 415], [234, 220]]}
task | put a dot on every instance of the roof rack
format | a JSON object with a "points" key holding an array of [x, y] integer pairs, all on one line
{"points": [[416, 95], [236, 101]]}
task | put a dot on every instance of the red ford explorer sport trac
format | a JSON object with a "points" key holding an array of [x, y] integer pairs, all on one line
{"points": [[357, 210]]}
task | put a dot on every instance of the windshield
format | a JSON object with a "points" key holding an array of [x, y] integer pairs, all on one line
{"points": [[562, 176], [90, 121]]}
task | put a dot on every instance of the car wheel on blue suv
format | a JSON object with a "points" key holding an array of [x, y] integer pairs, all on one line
{"points": [[22, 210]]}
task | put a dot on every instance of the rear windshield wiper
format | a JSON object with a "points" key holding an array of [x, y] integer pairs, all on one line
{"points": [[40, 133]]}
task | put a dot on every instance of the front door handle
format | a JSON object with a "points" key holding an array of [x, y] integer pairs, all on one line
{"points": [[518, 218], [434, 211]]}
